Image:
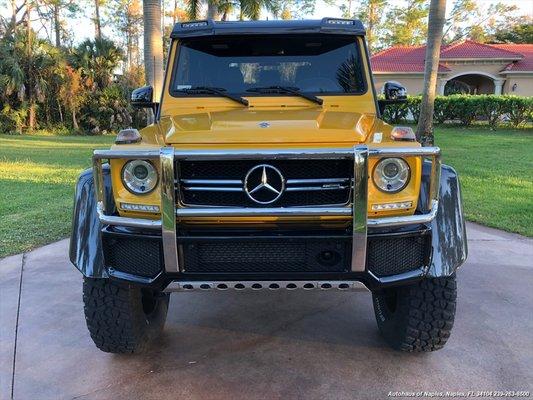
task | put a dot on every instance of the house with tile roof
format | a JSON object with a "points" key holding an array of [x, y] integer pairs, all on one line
{"points": [[465, 67]]}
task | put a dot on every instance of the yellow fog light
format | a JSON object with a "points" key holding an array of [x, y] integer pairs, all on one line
{"points": [[139, 207], [392, 206]]}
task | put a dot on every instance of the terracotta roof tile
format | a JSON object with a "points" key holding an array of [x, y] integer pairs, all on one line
{"points": [[470, 49], [401, 59], [411, 58], [525, 64]]}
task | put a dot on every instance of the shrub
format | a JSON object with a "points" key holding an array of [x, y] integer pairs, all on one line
{"points": [[466, 109], [518, 109], [105, 111], [413, 105]]}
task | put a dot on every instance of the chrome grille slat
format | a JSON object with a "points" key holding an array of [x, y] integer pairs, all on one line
{"points": [[315, 188], [212, 181], [214, 188], [234, 185], [322, 180]]}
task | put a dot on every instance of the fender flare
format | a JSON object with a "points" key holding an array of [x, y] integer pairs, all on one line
{"points": [[85, 240], [448, 229]]}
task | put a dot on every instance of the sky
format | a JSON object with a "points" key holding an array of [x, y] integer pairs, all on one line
{"points": [[82, 26]]}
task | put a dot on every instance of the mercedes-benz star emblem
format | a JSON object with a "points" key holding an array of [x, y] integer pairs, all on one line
{"points": [[264, 184], [264, 124]]}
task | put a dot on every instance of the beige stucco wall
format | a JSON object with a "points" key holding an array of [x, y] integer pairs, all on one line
{"points": [[524, 84], [489, 69], [414, 82]]}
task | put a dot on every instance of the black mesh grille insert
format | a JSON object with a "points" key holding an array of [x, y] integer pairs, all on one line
{"points": [[290, 169], [264, 255], [135, 256], [396, 255]]}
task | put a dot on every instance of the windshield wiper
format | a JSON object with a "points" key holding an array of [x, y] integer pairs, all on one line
{"points": [[214, 90], [287, 89]]}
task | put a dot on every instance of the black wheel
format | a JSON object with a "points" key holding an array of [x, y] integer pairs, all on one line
{"points": [[419, 317], [122, 318]]}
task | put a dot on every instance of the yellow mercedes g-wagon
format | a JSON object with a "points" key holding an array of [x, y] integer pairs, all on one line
{"points": [[268, 168]]}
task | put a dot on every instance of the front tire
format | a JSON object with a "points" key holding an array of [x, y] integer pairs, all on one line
{"points": [[418, 317], [123, 318]]}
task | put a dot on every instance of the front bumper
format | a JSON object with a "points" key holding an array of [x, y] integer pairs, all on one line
{"points": [[169, 233]]}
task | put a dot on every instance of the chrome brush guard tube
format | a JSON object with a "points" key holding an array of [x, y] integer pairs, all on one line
{"points": [[171, 209]]}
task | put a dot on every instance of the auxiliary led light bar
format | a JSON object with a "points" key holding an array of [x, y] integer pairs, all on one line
{"points": [[392, 206], [341, 21], [139, 207]]}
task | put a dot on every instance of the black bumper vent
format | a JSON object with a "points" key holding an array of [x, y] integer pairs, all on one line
{"points": [[266, 255], [395, 255], [136, 256]]}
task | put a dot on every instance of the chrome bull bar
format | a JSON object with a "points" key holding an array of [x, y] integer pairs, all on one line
{"points": [[171, 209]]}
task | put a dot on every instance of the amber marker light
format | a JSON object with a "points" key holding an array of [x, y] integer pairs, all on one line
{"points": [[403, 133]]}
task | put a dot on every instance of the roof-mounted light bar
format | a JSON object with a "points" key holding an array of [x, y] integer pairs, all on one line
{"points": [[340, 21], [194, 24]]}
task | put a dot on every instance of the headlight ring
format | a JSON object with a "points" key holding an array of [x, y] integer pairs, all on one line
{"points": [[139, 176], [391, 175]]}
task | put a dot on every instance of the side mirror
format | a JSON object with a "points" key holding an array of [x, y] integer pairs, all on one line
{"points": [[143, 98], [394, 91]]}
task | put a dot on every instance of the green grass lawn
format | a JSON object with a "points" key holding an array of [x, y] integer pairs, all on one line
{"points": [[39, 172], [37, 187], [496, 172]]}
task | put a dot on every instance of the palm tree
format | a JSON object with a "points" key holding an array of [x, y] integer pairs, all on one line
{"points": [[25, 63], [97, 59], [97, 21], [248, 8], [153, 45], [437, 12]]}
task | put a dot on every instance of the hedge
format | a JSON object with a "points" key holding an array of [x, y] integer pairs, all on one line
{"points": [[465, 109]]}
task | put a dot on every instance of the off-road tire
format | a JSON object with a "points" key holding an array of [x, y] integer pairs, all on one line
{"points": [[418, 317], [122, 318]]}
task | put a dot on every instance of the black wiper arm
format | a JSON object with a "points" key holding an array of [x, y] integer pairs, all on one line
{"points": [[214, 90], [287, 89]]}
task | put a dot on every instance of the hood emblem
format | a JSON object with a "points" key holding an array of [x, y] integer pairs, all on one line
{"points": [[264, 184], [264, 124]]}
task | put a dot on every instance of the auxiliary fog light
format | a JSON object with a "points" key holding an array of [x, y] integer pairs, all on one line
{"points": [[392, 206], [139, 207]]}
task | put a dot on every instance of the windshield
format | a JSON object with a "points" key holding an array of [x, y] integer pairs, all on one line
{"points": [[311, 64]]}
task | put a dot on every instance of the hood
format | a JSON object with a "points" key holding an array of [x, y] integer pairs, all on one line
{"points": [[246, 125]]}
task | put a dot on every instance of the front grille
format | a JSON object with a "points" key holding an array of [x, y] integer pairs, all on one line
{"points": [[395, 255], [136, 256], [307, 182], [266, 255]]}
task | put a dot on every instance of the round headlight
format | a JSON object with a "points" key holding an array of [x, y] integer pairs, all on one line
{"points": [[139, 176], [391, 175]]}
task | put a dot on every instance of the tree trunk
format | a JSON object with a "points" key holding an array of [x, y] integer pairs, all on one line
{"points": [[57, 26], [153, 45], [29, 70], [174, 13], [74, 120], [437, 12], [211, 10], [60, 111], [97, 22]]}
